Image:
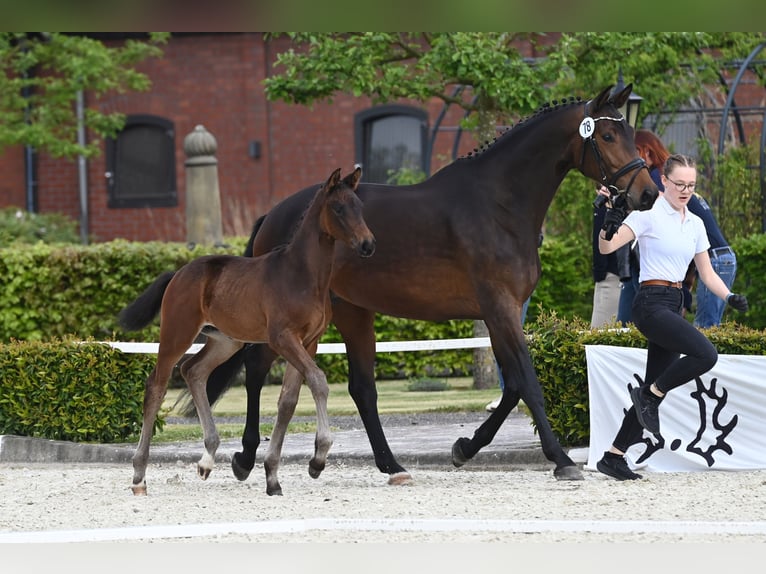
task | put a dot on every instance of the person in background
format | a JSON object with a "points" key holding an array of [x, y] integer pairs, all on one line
{"points": [[710, 308], [608, 272], [670, 236], [654, 153]]}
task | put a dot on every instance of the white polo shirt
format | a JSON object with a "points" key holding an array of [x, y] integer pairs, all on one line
{"points": [[667, 246]]}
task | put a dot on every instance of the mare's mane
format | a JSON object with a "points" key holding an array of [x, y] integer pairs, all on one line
{"points": [[546, 108]]}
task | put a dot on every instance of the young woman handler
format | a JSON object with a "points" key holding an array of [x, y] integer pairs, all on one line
{"points": [[669, 237]]}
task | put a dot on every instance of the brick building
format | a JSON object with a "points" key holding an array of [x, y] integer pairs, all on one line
{"points": [[266, 150]]}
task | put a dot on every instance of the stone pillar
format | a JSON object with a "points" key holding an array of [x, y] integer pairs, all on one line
{"points": [[203, 198]]}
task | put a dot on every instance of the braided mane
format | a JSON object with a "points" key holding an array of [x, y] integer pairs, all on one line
{"points": [[544, 109]]}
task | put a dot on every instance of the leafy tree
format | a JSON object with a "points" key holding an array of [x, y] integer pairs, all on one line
{"points": [[41, 75]]}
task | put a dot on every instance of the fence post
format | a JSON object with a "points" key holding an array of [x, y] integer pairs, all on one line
{"points": [[203, 198]]}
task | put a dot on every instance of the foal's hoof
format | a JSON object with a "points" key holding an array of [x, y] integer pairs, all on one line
{"points": [[569, 472], [139, 489], [399, 479], [241, 472], [203, 472], [276, 491], [315, 469], [458, 457]]}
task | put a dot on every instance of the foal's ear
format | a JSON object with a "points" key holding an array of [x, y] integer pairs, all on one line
{"points": [[352, 179], [333, 180]]}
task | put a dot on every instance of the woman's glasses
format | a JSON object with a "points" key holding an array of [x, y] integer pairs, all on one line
{"points": [[683, 186]]}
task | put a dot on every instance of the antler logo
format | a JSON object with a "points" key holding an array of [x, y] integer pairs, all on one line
{"points": [[711, 434]]}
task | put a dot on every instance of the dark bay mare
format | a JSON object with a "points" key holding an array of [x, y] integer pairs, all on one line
{"points": [[280, 299], [460, 245]]}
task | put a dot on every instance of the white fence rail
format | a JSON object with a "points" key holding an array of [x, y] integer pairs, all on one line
{"points": [[325, 348]]}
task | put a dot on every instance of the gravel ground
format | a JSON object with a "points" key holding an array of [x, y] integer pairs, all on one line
{"points": [[355, 504]]}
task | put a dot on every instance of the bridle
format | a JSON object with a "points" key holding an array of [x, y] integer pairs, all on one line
{"points": [[610, 182]]}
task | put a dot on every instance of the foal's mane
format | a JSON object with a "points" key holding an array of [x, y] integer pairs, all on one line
{"points": [[546, 108]]}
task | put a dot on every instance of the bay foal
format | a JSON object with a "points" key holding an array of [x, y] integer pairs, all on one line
{"points": [[280, 298]]}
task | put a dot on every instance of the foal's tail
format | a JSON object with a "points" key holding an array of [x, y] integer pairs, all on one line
{"points": [[147, 305]]}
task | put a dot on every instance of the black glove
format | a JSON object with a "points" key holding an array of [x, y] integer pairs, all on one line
{"points": [[739, 302], [612, 221]]}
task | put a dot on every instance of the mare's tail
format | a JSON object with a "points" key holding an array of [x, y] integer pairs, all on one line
{"points": [[145, 308], [222, 377]]}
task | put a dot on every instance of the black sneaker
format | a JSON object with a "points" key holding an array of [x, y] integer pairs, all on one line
{"points": [[614, 465], [647, 408]]}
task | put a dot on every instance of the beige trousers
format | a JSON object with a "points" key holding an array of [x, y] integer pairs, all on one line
{"points": [[606, 298]]}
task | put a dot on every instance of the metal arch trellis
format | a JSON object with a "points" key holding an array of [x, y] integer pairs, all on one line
{"points": [[722, 132]]}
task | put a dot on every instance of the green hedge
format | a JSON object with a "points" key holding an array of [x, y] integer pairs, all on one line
{"points": [[90, 392], [53, 291], [69, 391]]}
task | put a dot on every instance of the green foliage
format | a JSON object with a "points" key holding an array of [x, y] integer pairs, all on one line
{"points": [[20, 226], [731, 185], [566, 283], [43, 74], [751, 269], [49, 291], [69, 391], [420, 66]]}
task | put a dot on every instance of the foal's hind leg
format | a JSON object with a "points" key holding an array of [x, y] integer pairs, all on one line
{"points": [[195, 372], [154, 393], [288, 399]]}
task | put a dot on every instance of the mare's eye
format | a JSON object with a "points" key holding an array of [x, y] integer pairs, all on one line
{"points": [[338, 209], [608, 138]]}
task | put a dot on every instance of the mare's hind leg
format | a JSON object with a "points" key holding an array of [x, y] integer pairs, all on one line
{"points": [[356, 326], [258, 359], [195, 372], [288, 399]]}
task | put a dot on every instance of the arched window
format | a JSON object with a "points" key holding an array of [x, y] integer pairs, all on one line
{"points": [[140, 163], [390, 138]]}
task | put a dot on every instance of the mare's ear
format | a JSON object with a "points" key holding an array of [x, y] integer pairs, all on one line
{"points": [[333, 180], [352, 179], [600, 100], [618, 100]]}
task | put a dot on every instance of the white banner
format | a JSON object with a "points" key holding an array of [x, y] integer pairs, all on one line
{"points": [[715, 422]]}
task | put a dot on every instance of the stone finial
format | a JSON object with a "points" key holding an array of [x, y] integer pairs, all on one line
{"points": [[200, 146]]}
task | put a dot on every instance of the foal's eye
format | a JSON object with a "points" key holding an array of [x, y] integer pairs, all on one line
{"points": [[337, 209]]}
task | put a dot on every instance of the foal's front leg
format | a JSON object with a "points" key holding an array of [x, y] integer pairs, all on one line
{"points": [[288, 399]]}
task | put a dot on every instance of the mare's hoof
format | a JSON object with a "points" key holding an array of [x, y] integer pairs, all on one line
{"points": [[458, 457], [569, 472], [274, 491], [399, 479], [240, 471], [139, 489], [315, 469], [203, 472]]}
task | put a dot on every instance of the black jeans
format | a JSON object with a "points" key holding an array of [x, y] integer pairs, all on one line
{"points": [[657, 314]]}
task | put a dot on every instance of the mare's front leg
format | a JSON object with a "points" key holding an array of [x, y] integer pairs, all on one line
{"points": [[356, 326], [520, 382], [258, 360], [288, 399], [195, 372]]}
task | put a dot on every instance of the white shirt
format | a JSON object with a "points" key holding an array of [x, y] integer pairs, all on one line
{"points": [[667, 246]]}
